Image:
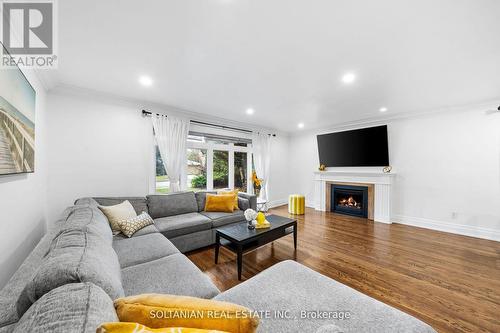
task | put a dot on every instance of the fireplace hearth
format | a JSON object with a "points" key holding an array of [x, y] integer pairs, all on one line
{"points": [[349, 200]]}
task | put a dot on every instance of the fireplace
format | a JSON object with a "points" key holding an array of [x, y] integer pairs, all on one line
{"points": [[349, 200]]}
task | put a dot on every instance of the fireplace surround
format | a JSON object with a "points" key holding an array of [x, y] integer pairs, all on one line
{"points": [[379, 190]]}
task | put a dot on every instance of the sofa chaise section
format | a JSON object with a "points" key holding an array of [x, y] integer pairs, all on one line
{"points": [[174, 274], [306, 294]]}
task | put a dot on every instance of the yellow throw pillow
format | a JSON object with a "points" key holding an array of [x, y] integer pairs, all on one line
{"points": [[117, 213], [219, 203], [228, 192], [157, 310], [138, 328]]}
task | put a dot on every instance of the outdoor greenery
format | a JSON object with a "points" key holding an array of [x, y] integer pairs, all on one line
{"points": [[221, 168], [197, 166], [160, 169], [240, 171], [199, 181]]}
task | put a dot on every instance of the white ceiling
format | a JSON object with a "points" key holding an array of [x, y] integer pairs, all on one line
{"points": [[285, 58]]}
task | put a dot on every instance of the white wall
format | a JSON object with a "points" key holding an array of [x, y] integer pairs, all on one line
{"points": [[279, 179], [96, 148], [447, 166], [23, 197], [103, 146]]}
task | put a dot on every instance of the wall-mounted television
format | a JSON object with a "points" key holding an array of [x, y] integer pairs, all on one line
{"points": [[366, 147]]}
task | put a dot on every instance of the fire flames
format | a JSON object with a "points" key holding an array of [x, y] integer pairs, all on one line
{"points": [[349, 202]]}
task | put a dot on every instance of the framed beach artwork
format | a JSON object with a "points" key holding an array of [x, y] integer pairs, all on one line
{"points": [[17, 122]]}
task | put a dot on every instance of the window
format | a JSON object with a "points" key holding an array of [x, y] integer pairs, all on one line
{"points": [[213, 162], [196, 169], [162, 181], [240, 171], [221, 169]]}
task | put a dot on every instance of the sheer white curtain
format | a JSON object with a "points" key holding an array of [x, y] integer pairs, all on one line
{"points": [[261, 144], [171, 135]]}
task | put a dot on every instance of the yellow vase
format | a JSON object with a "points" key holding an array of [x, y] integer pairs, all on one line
{"points": [[261, 218]]}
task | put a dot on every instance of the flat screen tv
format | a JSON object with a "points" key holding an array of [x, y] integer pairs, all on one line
{"points": [[367, 147]]}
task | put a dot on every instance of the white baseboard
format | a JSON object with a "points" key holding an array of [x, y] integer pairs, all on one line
{"points": [[454, 228], [276, 203], [312, 204]]}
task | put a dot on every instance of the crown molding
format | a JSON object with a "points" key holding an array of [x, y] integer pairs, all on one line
{"points": [[489, 106], [71, 90], [76, 91]]}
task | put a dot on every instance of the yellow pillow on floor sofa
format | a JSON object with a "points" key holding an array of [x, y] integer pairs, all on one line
{"points": [[138, 328], [219, 203], [229, 192], [157, 310]]}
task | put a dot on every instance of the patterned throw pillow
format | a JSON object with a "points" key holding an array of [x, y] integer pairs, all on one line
{"points": [[132, 225]]}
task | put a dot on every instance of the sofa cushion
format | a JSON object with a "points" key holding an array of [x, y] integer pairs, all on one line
{"points": [[75, 307], [288, 285], [80, 216], [78, 255], [138, 250], [175, 275], [10, 293], [150, 229], [172, 204], [177, 225], [252, 199], [139, 203], [243, 203], [201, 196], [219, 219]]}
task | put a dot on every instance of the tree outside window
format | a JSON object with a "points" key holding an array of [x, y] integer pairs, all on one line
{"points": [[240, 171], [221, 169], [196, 169]]}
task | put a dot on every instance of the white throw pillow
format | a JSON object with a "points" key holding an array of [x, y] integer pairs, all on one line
{"points": [[118, 213]]}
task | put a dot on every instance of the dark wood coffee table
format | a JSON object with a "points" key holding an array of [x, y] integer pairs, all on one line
{"points": [[239, 239]]}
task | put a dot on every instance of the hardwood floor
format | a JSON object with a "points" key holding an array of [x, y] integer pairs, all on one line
{"points": [[449, 281]]}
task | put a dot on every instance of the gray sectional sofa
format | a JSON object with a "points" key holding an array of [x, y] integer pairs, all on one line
{"points": [[180, 216], [69, 281]]}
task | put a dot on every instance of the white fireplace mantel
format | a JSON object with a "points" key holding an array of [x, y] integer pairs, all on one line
{"points": [[382, 189]]}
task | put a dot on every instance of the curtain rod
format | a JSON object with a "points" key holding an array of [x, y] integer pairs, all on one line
{"points": [[147, 113]]}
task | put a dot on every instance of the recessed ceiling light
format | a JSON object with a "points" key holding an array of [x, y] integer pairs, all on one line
{"points": [[383, 109], [250, 111], [300, 125], [146, 81], [348, 78]]}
